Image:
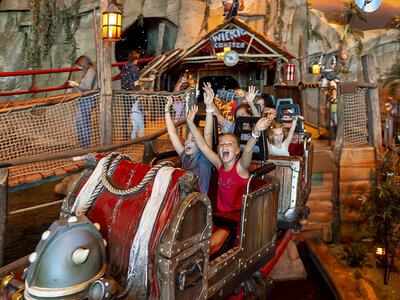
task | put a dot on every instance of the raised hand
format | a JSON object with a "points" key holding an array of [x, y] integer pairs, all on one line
{"points": [[251, 94], [168, 104], [73, 83], [208, 94], [271, 115], [261, 125], [298, 117], [192, 113]]}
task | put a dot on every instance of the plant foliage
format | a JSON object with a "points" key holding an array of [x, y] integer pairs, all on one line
{"points": [[356, 255], [379, 206], [48, 18]]}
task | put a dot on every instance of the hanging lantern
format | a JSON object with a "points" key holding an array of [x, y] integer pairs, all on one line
{"points": [[112, 23], [316, 69]]}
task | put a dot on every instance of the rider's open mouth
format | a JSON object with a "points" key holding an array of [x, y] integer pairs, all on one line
{"points": [[225, 153]]}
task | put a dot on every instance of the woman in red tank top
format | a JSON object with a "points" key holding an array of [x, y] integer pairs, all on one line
{"points": [[233, 172]]}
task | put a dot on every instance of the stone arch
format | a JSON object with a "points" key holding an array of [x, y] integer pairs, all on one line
{"points": [[143, 37]]}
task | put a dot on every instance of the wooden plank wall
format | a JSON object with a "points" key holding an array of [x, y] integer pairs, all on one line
{"points": [[356, 165], [324, 201], [322, 197], [320, 204]]}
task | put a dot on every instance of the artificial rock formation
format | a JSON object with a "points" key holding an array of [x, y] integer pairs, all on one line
{"points": [[281, 21]]}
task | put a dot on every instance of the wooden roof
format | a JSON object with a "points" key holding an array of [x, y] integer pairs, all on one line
{"points": [[257, 48]]}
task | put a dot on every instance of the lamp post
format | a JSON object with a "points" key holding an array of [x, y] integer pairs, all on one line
{"points": [[111, 31]]}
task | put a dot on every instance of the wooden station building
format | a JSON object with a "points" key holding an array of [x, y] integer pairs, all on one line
{"points": [[233, 55]]}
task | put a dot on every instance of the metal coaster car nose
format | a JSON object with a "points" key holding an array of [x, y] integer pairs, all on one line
{"points": [[66, 261]]}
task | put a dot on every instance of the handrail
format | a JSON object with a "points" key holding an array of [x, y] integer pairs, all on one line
{"points": [[63, 86], [40, 102], [78, 152], [46, 101]]}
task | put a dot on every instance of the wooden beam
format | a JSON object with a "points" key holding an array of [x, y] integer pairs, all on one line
{"points": [[278, 72], [250, 42], [160, 38], [302, 63], [339, 139], [272, 50], [106, 92], [3, 210], [372, 101], [253, 47], [199, 58]]}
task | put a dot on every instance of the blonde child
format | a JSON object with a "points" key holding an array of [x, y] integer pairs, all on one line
{"points": [[191, 158], [233, 171], [279, 138]]}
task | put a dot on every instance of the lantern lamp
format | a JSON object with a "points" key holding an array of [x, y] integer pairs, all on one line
{"points": [[111, 30], [316, 68], [380, 251]]}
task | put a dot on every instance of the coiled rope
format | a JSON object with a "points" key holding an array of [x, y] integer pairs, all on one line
{"points": [[108, 170], [110, 164]]}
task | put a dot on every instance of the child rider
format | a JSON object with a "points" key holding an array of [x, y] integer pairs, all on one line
{"points": [[191, 158], [233, 171], [278, 138]]}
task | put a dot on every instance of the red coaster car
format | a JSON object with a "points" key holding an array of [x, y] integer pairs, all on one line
{"points": [[149, 237]]}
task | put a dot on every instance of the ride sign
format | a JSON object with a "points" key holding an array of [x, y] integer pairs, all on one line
{"points": [[227, 38], [231, 58]]}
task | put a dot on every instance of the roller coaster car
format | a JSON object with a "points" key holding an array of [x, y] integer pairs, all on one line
{"points": [[294, 171], [298, 167], [148, 236]]}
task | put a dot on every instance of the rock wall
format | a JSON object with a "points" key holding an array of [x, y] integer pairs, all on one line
{"points": [[190, 17]]}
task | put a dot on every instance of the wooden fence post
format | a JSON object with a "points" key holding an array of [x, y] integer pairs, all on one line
{"points": [[3, 210], [339, 139], [337, 151], [106, 92], [372, 101], [302, 58]]}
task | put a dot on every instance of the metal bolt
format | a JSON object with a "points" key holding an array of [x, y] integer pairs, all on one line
{"points": [[32, 257], [72, 219], [45, 235]]}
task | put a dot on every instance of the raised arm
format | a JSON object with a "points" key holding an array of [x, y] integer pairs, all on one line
{"points": [[200, 141], [220, 118], [171, 128], [208, 100], [291, 130], [245, 160], [250, 95]]}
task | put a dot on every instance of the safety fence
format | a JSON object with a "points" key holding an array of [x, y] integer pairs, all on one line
{"points": [[313, 106], [319, 111], [355, 117], [71, 122]]}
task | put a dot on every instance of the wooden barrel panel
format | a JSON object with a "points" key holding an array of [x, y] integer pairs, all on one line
{"points": [[260, 220], [355, 173], [320, 195], [321, 181], [357, 156]]}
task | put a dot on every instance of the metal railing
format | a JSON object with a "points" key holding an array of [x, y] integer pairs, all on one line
{"points": [[33, 73]]}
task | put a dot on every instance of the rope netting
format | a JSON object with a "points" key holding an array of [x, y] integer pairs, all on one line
{"points": [[314, 111], [53, 125], [355, 118], [137, 114]]}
